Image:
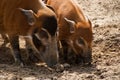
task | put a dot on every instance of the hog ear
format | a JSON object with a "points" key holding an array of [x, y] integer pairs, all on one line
{"points": [[50, 7], [29, 15], [71, 25]]}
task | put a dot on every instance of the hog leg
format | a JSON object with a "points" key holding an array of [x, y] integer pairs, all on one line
{"points": [[14, 40], [5, 38], [31, 53]]}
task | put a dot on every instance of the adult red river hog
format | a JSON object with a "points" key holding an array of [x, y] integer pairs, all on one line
{"points": [[26, 17], [75, 30]]}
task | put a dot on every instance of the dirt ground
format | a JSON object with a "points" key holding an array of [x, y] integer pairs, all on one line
{"points": [[105, 17]]}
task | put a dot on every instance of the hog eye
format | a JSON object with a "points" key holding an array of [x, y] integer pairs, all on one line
{"points": [[81, 41], [43, 34]]}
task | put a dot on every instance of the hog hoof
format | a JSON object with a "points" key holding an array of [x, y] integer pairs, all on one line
{"points": [[18, 63]]}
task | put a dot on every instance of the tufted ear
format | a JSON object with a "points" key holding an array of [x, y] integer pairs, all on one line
{"points": [[71, 24], [29, 15]]}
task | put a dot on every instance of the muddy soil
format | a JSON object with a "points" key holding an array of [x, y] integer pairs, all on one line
{"points": [[105, 17]]}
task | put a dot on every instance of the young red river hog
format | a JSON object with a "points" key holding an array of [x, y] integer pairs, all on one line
{"points": [[75, 30], [26, 17]]}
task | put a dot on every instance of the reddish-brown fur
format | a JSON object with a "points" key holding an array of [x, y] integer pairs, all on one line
{"points": [[14, 21], [82, 29]]}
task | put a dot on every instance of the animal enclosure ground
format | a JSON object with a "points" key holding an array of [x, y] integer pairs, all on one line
{"points": [[105, 17]]}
